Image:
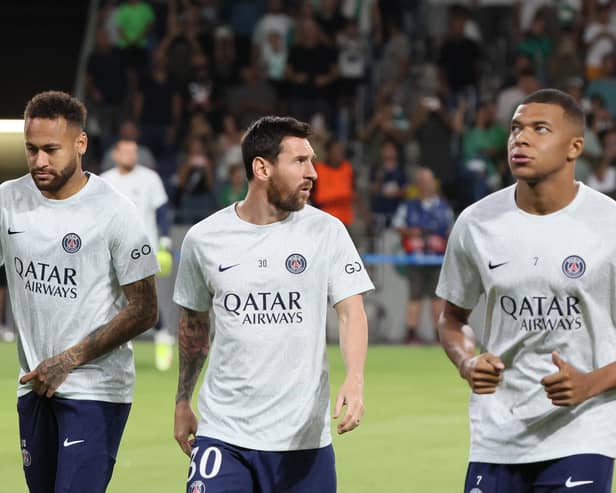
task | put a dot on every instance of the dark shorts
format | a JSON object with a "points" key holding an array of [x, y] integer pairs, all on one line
{"points": [[218, 467], [584, 473], [423, 280], [69, 445]]}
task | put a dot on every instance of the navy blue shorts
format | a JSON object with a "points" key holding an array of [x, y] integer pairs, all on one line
{"points": [[67, 445], [584, 473], [218, 467]]}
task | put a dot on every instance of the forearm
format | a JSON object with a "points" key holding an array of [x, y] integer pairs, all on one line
{"points": [[456, 344], [353, 329], [193, 342], [603, 379], [139, 315]]}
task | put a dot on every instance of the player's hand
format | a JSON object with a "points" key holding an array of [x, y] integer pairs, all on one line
{"points": [[185, 426], [568, 386], [49, 374], [351, 396], [482, 372]]}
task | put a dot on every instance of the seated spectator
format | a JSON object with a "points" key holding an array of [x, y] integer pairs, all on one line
{"points": [[509, 97], [228, 148], [194, 197], [605, 84], [599, 37], [334, 190], [537, 45], [235, 188], [135, 19], [253, 98], [424, 224], [603, 176], [387, 186]]}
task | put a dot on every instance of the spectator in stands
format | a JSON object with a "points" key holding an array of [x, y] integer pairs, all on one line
{"points": [[387, 186], [484, 150], [330, 19], [107, 85], [135, 19], [194, 196], [275, 22], [251, 99], [603, 176], [228, 148], [566, 62], [312, 69], [537, 45], [605, 83], [226, 70], [129, 131], [201, 93], [459, 56], [334, 191], [424, 224], [236, 186], [157, 107], [599, 37], [396, 52], [508, 98]]}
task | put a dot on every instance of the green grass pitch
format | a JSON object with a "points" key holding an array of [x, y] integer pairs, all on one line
{"points": [[414, 437]]}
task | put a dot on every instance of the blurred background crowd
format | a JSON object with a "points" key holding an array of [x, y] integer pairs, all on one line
{"points": [[409, 100]]}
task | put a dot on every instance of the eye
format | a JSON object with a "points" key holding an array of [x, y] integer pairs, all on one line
{"points": [[542, 129]]}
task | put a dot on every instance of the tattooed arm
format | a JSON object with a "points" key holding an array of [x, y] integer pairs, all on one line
{"points": [[136, 317], [193, 341]]}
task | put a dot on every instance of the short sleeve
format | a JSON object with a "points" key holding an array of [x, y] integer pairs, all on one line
{"points": [[132, 254], [159, 196], [459, 281], [191, 289], [347, 274]]}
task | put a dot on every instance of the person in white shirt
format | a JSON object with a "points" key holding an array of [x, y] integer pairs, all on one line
{"points": [[540, 253], [80, 270], [263, 271], [144, 187]]}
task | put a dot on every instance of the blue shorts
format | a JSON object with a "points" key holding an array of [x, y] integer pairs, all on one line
{"points": [[67, 445], [584, 473], [219, 467]]}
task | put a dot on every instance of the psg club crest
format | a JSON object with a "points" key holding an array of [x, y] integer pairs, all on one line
{"points": [[71, 243], [295, 263], [574, 266], [197, 487]]}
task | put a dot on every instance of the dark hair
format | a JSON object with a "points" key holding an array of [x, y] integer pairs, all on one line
{"points": [[56, 104], [572, 109], [263, 138]]}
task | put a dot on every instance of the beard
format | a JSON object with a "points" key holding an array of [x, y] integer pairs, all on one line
{"points": [[58, 178], [287, 202]]}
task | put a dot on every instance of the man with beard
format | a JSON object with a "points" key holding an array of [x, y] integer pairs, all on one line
{"points": [[266, 268], [80, 273]]}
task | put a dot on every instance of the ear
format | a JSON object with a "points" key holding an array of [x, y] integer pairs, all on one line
{"points": [[81, 143], [576, 147], [261, 169]]}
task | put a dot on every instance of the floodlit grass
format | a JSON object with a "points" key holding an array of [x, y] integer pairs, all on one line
{"points": [[414, 437]]}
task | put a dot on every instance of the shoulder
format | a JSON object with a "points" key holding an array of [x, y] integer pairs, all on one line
{"points": [[215, 223], [310, 217], [104, 191], [489, 207]]}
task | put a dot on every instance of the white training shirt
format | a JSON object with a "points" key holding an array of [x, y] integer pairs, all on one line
{"points": [[145, 188], [550, 285], [66, 261], [267, 288]]}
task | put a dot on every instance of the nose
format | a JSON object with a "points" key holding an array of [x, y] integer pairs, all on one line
{"points": [[519, 136], [311, 172], [41, 159]]}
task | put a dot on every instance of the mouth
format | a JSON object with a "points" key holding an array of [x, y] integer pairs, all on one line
{"points": [[306, 188], [41, 175], [519, 158]]}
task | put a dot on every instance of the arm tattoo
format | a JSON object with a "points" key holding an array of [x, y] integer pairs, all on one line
{"points": [[137, 316], [194, 345]]}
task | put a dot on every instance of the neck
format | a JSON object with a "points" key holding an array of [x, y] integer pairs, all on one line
{"points": [[256, 209], [545, 197]]}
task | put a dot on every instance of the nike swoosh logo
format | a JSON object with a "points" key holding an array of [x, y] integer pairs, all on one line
{"points": [[494, 266], [15, 232], [222, 269], [74, 442], [572, 484]]}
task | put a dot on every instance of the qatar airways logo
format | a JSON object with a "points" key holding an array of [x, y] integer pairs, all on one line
{"points": [[543, 313], [47, 279], [265, 307]]}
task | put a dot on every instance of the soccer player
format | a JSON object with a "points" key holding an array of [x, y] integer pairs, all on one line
{"points": [[145, 189], [262, 270], [541, 254], [80, 272]]}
